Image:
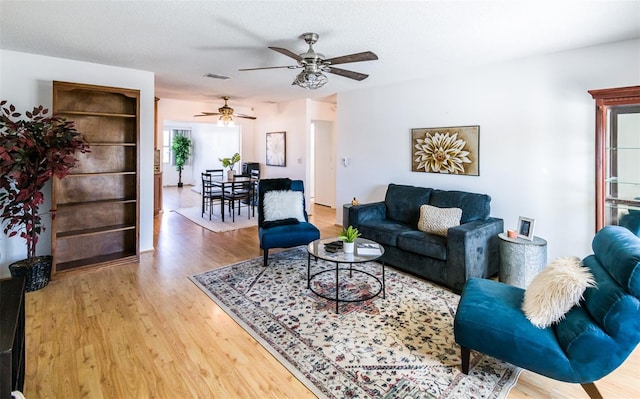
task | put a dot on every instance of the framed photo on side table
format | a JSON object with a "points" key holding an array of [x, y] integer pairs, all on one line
{"points": [[525, 228]]}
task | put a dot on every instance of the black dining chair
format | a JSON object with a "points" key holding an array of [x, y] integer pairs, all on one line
{"points": [[210, 193], [215, 173], [239, 191]]}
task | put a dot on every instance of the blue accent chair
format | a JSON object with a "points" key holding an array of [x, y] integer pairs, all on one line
{"points": [[286, 233], [631, 220], [592, 341]]}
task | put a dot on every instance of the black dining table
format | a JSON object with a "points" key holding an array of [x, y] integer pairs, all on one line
{"points": [[225, 182]]}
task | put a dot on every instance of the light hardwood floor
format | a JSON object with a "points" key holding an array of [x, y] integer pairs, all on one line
{"points": [[144, 330]]}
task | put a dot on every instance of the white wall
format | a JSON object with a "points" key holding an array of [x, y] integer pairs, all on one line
{"points": [[294, 118], [181, 113], [209, 143], [322, 181], [26, 80], [536, 137], [289, 117], [321, 111]]}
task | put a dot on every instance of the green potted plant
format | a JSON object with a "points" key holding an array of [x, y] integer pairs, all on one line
{"points": [[181, 147], [349, 236], [230, 163], [32, 150]]}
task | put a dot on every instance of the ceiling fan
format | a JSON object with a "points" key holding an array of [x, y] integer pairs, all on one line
{"points": [[226, 114], [313, 64]]}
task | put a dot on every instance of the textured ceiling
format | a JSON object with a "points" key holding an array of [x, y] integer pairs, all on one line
{"points": [[180, 41]]}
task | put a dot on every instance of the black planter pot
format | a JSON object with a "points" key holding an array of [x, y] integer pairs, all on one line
{"points": [[36, 273]]}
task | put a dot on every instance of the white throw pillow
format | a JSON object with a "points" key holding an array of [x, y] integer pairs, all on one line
{"points": [[555, 290], [279, 205], [436, 220]]}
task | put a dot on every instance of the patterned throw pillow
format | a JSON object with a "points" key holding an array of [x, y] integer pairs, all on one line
{"points": [[555, 290], [436, 220]]}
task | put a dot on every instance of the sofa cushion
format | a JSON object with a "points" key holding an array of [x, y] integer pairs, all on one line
{"points": [[422, 243], [437, 221], [288, 236], [474, 206], [403, 202], [383, 232]]}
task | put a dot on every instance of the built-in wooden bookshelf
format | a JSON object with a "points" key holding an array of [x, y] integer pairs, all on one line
{"points": [[97, 205]]}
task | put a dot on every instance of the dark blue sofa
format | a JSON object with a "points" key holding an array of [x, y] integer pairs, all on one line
{"points": [[469, 250]]}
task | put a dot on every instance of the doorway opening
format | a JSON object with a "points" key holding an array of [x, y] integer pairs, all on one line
{"points": [[322, 165]]}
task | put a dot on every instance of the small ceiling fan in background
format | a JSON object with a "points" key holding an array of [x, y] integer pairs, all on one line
{"points": [[226, 114], [313, 64]]}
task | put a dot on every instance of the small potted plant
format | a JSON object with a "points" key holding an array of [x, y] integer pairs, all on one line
{"points": [[230, 163], [181, 147], [32, 150], [349, 236]]}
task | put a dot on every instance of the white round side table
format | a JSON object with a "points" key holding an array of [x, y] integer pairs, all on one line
{"points": [[521, 260]]}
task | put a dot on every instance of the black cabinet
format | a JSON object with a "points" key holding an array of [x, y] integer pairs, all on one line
{"points": [[12, 342], [247, 167]]}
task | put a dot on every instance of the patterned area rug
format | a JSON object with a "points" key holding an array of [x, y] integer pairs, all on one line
{"points": [[401, 346], [216, 224]]}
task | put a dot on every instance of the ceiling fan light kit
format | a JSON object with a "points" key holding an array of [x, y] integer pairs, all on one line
{"points": [[226, 120], [314, 64], [310, 80]]}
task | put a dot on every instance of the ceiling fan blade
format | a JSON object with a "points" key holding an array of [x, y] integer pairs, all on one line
{"points": [[234, 115], [276, 67], [208, 114], [347, 74], [345, 59], [244, 116], [286, 52]]}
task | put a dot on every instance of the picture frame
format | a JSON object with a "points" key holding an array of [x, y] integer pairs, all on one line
{"points": [[525, 228], [461, 144], [276, 149]]}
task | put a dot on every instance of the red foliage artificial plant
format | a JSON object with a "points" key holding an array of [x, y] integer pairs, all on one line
{"points": [[32, 150]]}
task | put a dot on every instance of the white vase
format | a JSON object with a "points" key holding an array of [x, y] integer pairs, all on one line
{"points": [[230, 174], [347, 247]]}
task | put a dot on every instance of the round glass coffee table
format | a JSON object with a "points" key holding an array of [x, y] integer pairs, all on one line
{"points": [[364, 251]]}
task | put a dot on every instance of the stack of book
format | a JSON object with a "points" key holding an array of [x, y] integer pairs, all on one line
{"points": [[365, 248], [333, 246]]}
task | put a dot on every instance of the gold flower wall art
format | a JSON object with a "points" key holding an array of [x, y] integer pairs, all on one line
{"points": [[447, 150]]}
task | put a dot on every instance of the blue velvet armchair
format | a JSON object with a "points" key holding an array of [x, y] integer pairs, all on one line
{"points": [[631, 220], [592, 341], [287, 232]]}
